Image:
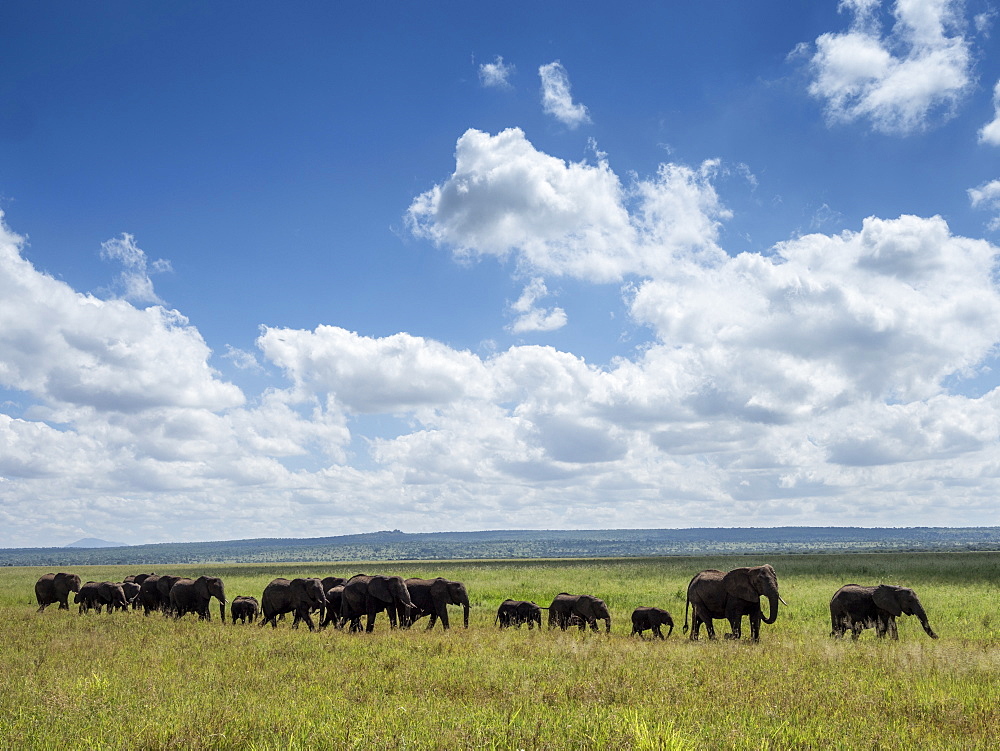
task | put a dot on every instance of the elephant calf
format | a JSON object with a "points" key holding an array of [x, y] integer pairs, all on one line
{"points": [[587, 609], [646, 619], [245, 609], [516, 612], [857, 608]]}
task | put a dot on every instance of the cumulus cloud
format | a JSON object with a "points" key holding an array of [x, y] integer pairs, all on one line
{"points": [[897, 80], [496, 74], [529, 317], [990, 133], [557, 99], [506, 198], [71, 350], [987, 196]]}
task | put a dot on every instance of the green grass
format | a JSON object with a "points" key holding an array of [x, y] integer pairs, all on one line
{"points": [[125, 681]]}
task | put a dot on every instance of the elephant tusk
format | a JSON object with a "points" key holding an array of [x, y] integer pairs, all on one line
{"points": [[782, 601]]}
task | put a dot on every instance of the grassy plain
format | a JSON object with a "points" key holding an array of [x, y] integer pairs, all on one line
{"points": [[125, 681]]}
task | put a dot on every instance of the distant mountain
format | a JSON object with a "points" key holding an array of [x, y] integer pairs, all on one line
{"points": [[93, 542]]}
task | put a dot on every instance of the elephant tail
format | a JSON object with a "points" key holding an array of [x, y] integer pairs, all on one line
{"points": [[685, 629]]}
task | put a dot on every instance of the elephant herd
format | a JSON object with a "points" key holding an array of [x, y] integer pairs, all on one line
{"points": [[711, 595]]}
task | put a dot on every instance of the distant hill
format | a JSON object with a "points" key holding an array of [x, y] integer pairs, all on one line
{"points": [[600, 543], [93, 542]]}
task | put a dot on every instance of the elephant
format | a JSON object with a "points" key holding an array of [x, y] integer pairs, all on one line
{"points": [[588, 608], [857, 608], [372, 594], [163, 585], [244, 608], [645, 619], [195, 595], [516, 612], [149, 594], [334, 600], [713, 594], [329, 582], [112, 596], [87, 598], [56, 588], [299, 596], [432, 597], [131, 590]]}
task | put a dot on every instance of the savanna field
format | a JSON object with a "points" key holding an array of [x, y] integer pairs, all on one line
{"points": [[122, 680]]}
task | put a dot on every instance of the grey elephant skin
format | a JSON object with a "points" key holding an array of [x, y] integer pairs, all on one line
{"points": [[52, 588], [369, 595], [299, 596], [163, 585], [87, 598], [517, 612], [112, 596], [433, 596], [713, 594], [587, 608], [195, 595], [650, 619], [856, 608], [149, 594], [245, 609], [334, 600]]}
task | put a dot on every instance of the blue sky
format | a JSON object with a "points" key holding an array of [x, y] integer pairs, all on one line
{"points": [[334, 268]]}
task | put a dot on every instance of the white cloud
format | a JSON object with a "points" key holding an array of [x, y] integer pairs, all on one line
{"points": [[987, 196], [990, 133], [72, 351], [557, 99], [133, 283], [496, 74], [506, 198], [397, 373], [900, 80], [530, 317]]}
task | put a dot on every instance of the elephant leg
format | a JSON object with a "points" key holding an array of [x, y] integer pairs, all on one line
{"points": [[893, 633], [443, 615], [755, 627], [656, 630], [432, 620]]}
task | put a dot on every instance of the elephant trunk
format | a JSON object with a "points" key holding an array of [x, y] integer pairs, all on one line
{"points": [[772, 616], [922, 616], [222, 611], [465, 611]]}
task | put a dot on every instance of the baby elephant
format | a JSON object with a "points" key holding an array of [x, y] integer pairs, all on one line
{"points": [[644, 619], [516, 612], [245, 609]]}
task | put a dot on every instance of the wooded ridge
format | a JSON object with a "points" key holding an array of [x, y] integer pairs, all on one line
{"points": [[502, 544]]}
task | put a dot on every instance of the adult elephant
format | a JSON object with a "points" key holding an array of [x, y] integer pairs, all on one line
{"points": [[163, 585], [650, 619], [298, 596], [52, 588], [433, 596], [244, 609], [587, 608], [370, 595], [112, 596], [149, 594], [195, 595], [516, 612], [857, 608], [713, 594]]}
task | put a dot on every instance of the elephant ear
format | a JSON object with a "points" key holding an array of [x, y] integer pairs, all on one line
{"points": [[885, 597], [737, 584], [378, 588]]}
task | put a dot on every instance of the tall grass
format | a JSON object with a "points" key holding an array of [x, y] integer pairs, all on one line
{"points": [[125, 681]]}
